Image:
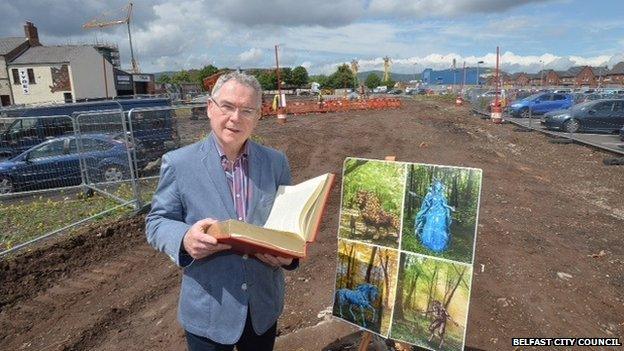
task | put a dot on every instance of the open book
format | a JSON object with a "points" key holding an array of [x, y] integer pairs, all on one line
{"points": [[293, 221]]}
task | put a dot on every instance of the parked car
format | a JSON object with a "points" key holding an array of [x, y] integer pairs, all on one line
{"points": [[56, 163], [605, 115], [539, 104], [380, 89], [152, 123], [395, 92]]}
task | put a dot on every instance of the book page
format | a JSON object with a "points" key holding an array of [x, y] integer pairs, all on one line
{"points": [[290, 202], [279, 240], [312, 211]]}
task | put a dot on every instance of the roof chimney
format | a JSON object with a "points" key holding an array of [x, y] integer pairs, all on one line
{"points": [[31, 34]]}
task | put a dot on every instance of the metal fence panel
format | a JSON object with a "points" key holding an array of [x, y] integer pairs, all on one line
{"points": [[35, 155]]}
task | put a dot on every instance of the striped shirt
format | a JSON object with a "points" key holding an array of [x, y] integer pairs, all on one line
{"points": [[237, 174]]}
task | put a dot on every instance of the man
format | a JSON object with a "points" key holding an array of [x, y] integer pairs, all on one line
{"points": [[226, 298]]}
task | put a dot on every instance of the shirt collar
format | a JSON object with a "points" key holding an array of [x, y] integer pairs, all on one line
{"points": [[222, 156]]}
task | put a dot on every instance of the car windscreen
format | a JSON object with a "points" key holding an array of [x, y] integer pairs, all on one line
{"points": [[582, 106], [532, 97]]}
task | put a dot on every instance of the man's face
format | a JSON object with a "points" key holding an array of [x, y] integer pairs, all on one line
{"points": [[230, 117]]}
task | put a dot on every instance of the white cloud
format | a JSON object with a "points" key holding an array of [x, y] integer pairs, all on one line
{"points": [[442, 8], [509, 62], [251, 56]]}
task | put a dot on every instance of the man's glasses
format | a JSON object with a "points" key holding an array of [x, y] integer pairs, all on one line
{"points": [[229, 109]]}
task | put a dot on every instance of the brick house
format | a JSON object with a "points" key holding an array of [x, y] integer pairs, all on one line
{"points": [[550, 78], [600, 74], [615, 75], [521, 79]]}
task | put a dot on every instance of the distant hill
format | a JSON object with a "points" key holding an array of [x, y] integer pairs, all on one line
{"points": [[397, 77]]}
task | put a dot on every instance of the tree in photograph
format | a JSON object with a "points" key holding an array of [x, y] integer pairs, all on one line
{"points": [[350, 266], [458, 277], [370, 265], [299, 76], [402, 281], [433, 283], [412, 274], [372, 81]]}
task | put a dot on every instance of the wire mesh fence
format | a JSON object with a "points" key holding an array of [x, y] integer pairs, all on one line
{"points": [[57, 172]]}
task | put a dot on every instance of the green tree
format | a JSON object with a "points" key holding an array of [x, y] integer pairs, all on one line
{"points": [[372, 81], [321, 79], [342, 78], [181, 77], [164, 79], [299, 76], [389, 83], [286, 76], [206, 71], [267, 79]]}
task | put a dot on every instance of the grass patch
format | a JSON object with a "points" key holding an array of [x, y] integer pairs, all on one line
{"points": [[26, 219]]}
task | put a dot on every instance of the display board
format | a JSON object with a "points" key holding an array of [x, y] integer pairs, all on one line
{"points": [[406, 240]]}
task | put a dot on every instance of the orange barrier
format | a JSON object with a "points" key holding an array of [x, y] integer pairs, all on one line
{"points": [[306, 107]]}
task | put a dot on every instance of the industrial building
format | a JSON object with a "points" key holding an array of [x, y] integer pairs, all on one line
{"points": [[454, 76]]}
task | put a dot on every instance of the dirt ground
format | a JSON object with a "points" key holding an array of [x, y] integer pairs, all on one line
{"points": [[549, 259]]}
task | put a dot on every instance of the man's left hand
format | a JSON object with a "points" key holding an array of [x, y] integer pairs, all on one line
{"points": [[274, 261]]}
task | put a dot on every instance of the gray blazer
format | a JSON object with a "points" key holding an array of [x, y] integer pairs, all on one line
{"points": [[216, 291]]}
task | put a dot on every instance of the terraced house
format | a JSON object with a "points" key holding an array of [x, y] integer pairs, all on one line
{"points": [[37, 74], [10, 48]]}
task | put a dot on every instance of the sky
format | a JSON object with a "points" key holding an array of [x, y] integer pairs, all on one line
{"points": [[170, 35]]}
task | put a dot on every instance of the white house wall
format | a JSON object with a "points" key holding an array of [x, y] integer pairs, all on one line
{"points": [[40, 92], [87, 72]]}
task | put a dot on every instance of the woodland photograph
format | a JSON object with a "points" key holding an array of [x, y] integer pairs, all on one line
{"points": [[372, 201], [440, 212], [431, 305], [365, 285]]}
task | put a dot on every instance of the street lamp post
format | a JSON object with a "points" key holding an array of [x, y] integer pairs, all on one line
{"points": [[478, 77]]}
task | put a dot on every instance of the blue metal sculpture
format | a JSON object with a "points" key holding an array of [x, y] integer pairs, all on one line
{"points": [[362, 296], [433, 221]]}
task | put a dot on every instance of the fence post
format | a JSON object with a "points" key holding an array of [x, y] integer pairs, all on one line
{"points": [[84, 175], [132, 158]]}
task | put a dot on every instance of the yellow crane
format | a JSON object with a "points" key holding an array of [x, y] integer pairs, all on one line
{"points": [[387, 64], [104, 21]]}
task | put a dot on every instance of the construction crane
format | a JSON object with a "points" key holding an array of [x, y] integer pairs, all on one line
{"points": [[387, 64], [103, 21], [355, 67]]}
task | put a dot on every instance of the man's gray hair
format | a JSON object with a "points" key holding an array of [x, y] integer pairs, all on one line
{"points": [[241, 78]]}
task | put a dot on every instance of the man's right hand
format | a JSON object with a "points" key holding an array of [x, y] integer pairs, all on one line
{"points": [[198, 243]]}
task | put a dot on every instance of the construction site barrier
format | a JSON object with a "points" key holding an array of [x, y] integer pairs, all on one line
{"points": [[306, 107]]}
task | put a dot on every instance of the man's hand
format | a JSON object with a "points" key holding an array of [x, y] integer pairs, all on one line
{"points": [[199, 244], [274, 261]]}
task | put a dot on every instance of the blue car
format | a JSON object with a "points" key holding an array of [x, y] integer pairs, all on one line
{"points": [[539, 104], [56, 163], [605, 115], [153, 123]]}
